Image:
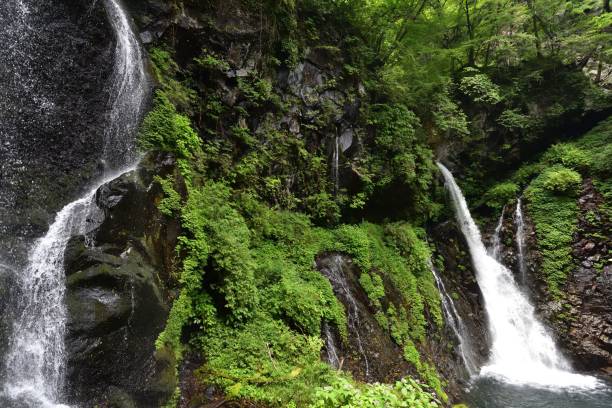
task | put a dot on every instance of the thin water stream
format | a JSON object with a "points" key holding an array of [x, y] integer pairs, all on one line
{"points": [[454, 320]]}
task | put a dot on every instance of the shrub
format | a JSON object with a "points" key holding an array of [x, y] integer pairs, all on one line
{"points": [[480, 88], [567, 155], [562, 180], [500, 195], [165, 129], [343, 394], [511, 119]]}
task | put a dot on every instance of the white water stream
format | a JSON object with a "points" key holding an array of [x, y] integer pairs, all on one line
{"points": [[342, 289], [454, 320], [520, 240], [35, 362], [522, 351], [495, 249]]}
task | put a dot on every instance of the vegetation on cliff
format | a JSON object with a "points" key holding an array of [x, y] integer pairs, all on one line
{"points": [[308, 127]]}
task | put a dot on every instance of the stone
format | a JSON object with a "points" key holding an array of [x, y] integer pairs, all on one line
{"points": [[346, 139]]}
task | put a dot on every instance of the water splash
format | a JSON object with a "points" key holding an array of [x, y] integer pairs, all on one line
{"points": [[522, 351], [520, 240], [454, 320]]}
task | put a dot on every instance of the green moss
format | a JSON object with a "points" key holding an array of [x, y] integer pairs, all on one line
{"points": [[165, 129], [555, 217], [561, 180], [500, 195]]}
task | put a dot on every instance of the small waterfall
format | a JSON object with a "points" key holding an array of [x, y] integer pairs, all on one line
{"points": [[342, 289], [520, 240], [454, 320], [35, 361], [495, 249], [335, 167], [522, 351], [129, 92], [330, 347]]}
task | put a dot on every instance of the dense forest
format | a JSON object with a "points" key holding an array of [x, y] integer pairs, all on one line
{"points": [[284, 235]]}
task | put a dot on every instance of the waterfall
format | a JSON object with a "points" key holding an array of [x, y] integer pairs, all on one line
{"points": [[520, 240], [35, 361], [342, 289], [495, 249], [454, 320], [335, 164], [330, 347], [129, 90], [522, 351]]}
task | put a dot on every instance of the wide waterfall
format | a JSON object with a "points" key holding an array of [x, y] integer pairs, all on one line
{"points": [[522, 351], [35, 361]]}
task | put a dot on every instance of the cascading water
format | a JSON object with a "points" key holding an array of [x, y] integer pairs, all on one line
{"points": [[495, 249], [330, 347], [128, 92], [522, 351], [336, 164], [520, 240], [35, 362], [454, 320], [342, 289]]}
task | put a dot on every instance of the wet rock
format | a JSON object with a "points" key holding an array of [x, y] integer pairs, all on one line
{"points": [[116, 306], [371, 354], [585, 335]]}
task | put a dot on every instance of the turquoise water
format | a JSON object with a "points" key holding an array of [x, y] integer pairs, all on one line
{"points": [[490, 393]]}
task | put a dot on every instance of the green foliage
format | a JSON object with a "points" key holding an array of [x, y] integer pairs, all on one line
{"points": [[400, 157], [555, 217], [500, 195], [171, 202], [567, 155], [480, 88], [165, 129], [263, 361], [553, 184], [210, 61], [257, 90], [343, 394], [166, 72], [561, 180], [374, 287], [511, 119], [448, 116]]}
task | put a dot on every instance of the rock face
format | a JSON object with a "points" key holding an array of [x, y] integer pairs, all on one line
{"points": [[585, 334], [460, 281], [371, 355], [53, 103], [588, 333], [116, 301]]}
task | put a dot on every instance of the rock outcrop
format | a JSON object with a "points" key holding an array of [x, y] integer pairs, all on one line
{"points": [[116, 299]]}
